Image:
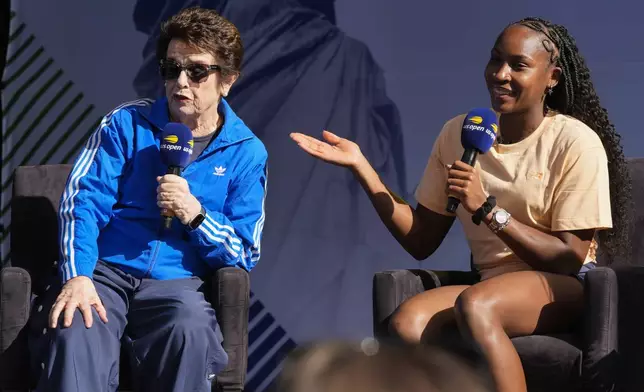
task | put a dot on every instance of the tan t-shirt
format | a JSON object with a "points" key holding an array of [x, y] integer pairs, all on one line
{"points": [[556, 179]]}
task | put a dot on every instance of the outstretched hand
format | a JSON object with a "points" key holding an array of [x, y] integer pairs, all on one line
{"points": [[333, 149]]}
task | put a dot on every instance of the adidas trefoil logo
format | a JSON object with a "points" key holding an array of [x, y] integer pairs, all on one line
{"points": [[219, 171]]}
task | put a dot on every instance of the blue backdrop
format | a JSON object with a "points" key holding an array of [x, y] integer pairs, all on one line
{"points": [[385, 74]]}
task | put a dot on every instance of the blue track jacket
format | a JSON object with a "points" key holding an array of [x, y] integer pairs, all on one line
{"points": [[109, 209]]}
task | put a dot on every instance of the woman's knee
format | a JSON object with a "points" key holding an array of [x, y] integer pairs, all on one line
{"points": [[77, 331], [188, 320], [408, 324], [77, 341], [475, 310]]}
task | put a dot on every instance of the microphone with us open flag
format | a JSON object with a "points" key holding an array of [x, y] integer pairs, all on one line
{"points": [[477, 137], [176, 149]]}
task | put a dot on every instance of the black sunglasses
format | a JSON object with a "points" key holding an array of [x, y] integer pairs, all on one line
{"points": [[170, 70]]}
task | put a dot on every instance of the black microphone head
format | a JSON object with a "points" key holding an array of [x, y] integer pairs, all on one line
{"points": [[479, 130], [176, 145]]}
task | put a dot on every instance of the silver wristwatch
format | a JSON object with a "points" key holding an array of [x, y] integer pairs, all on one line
{"points": [[500, 219]]}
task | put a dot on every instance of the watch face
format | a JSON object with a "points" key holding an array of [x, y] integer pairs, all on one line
{"points": [[501, 216], [197, 221]]}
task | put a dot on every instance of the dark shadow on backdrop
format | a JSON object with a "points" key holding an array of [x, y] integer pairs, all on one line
{"points": [[321, 72]]}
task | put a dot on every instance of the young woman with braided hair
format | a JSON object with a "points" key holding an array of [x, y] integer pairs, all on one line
{"points": [[549, 172], [575, 96]]}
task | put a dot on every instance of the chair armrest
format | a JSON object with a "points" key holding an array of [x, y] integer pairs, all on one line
{"points": [[600, 330], [15, 301], [631, 324], [391, 288], [230, 299]]}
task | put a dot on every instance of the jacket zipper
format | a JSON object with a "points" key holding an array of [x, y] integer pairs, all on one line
{"points": [[153, 259]]}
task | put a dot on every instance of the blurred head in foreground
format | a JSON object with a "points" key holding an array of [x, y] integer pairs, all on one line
{"points": [[376, 367]]}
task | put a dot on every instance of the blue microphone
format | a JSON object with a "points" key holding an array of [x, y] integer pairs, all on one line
{"points": [[176, 149], [477, 137]]}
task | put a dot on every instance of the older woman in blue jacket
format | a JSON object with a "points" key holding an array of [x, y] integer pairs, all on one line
{"points": [[124, 277]]}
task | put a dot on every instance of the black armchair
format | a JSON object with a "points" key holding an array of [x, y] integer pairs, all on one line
{"points": [[34, 231], [604, 352]]}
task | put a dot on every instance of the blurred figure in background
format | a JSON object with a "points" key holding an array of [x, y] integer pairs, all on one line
{"points": [[377, 367]]}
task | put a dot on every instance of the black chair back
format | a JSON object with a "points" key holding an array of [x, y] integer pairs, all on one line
{"points": [[34, 220]]}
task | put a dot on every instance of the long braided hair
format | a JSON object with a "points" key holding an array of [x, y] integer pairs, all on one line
{"points": [[575, 96]]}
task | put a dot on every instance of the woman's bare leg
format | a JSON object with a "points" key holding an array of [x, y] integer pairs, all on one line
{"points": [[516, 304], [422, 316]]}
